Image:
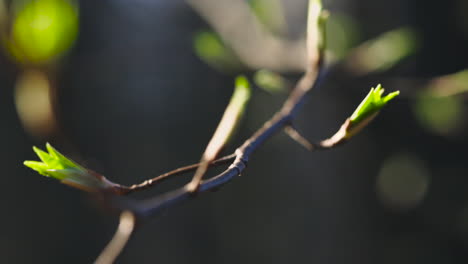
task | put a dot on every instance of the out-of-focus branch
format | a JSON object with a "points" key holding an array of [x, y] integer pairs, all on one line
{"points": [[229, 121], [120, 239], [248, 38]]}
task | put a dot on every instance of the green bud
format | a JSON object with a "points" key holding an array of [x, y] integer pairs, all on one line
{"points": [[55, 165], [368, 109], [372, 104]]}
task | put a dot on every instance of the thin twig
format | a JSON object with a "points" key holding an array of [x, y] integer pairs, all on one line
{"points": [[179, 171], [120, 239], [340, 137], [296, 136]]}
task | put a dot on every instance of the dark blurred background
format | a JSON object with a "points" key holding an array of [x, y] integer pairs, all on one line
{"points": [[134, 88]]}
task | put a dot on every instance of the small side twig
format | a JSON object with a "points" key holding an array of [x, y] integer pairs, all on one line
{"points": [[296, 136]]}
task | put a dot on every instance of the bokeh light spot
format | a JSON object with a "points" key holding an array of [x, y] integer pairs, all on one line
{"points": [[402, 182], [439, 114], [42, 30], [33, 103]]}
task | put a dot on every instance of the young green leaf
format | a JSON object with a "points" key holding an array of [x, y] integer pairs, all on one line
{"points": [[364, 113], [371, 104], [55, 165]]}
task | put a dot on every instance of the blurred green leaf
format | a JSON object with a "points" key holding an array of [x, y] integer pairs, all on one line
{"points": [[384, 51], [270, 81], [42, 30], [439, 114], [449, 85], [209, 47]]}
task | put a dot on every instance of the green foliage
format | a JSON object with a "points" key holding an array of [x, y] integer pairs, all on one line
{"points": [[440, 107], [57, 166], [385, 51], [371, 104], [42, 30], [270, 81], [394, 46], [209, 47], [439, 114]]}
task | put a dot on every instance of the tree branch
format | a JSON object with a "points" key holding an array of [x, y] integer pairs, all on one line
{"points": [[179, 171]]}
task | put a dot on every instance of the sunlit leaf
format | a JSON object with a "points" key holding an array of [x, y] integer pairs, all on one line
{"points": [[55, 165], [371, 104]]}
